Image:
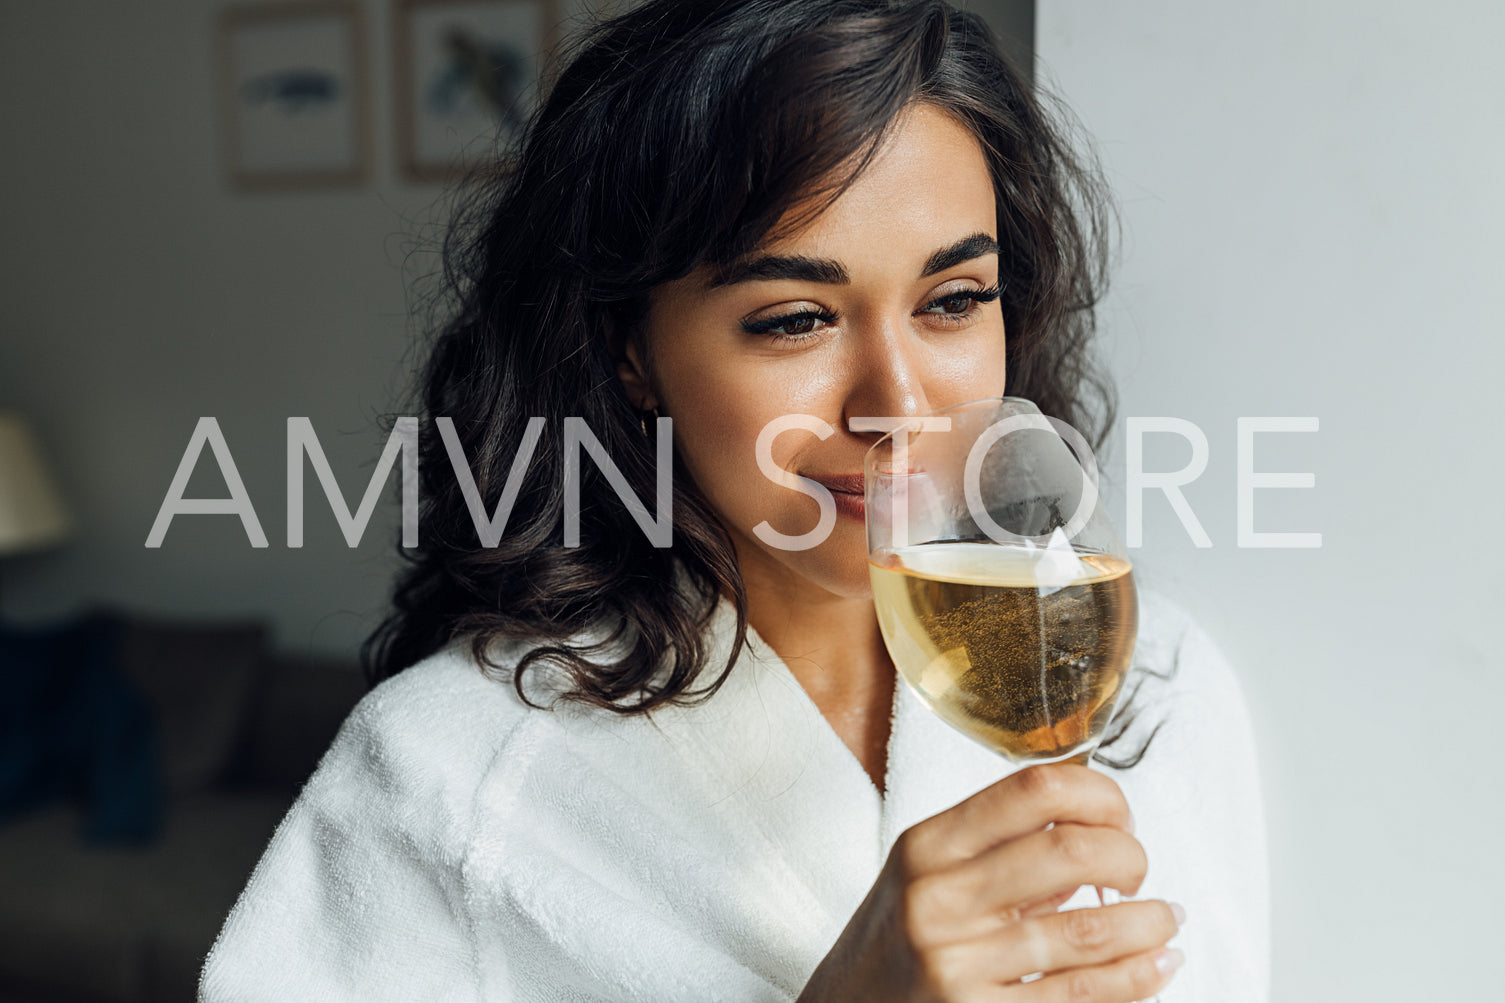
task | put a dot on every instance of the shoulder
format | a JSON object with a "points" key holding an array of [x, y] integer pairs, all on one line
{"points": [[361, 893], [433, 730], [449, 696], [447, 750], [1186, 712], [1183, 690], [1174, 646], [1163, 624], [1198, 802]]}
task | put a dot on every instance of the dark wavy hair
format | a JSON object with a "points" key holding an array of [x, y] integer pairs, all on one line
{"points": [[677, 134]]}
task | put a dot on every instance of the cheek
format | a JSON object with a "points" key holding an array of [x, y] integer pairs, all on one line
{"points": [[717, 418], [716, 413], [720, 407], [973, 373]]}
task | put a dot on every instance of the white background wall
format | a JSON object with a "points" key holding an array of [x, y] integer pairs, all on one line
{"points": [[1313, 210]]}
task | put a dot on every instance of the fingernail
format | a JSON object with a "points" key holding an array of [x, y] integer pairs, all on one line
{"points": [[1179, 912], [1169, 960]]}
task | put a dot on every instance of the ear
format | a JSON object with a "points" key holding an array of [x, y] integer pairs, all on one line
{"points": [[627, 351]]}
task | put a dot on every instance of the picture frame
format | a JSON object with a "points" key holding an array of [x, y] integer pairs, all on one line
{"points": [[294, 94], [467, 75]]}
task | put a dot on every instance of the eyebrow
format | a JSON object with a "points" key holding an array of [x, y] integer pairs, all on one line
{"points": [[772, 267]]}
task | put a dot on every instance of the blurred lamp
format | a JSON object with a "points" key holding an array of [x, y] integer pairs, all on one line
{"points": [[32, 514]]}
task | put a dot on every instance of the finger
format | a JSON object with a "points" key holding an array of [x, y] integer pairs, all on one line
{"points": [[1137, 977], [1079, 938], [979, 896], [1022, 802], [1047, 905]]}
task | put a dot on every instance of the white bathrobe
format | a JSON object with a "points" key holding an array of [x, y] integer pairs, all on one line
{"points": [[456, 845]]}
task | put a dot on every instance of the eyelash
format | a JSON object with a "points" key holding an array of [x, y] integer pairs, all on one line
{"points": [[766, 326]]}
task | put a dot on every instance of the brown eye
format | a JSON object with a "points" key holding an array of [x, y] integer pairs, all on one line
{"points": [[790, 327], [959, 306], [956, 305]]}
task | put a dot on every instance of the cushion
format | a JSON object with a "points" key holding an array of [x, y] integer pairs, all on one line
{"points": [[74, 727], [199, 679], [125, 924], [298, 708]]}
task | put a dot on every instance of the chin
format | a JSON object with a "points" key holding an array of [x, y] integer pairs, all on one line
{"points": [[837, 567], [839, 570]]}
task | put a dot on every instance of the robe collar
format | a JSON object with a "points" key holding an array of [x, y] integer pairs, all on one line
{"points": [[770, 756]]}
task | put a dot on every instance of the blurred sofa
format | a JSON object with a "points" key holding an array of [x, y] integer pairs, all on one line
{"points": [[238, 727]]}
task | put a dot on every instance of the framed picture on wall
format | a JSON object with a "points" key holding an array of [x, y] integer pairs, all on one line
{"points": [[468, 75], [294, 94]]}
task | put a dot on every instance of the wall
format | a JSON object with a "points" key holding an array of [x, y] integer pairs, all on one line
{"points": [[1014, 20], [142, 292], [1312, 207]]}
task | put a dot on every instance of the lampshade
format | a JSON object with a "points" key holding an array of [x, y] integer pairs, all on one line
{"points": [[32, 514]]}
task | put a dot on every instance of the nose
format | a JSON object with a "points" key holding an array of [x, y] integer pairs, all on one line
{"points": [[888, 376]]}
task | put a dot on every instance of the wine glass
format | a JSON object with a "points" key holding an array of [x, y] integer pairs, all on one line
{"points": [[1004, 595]]}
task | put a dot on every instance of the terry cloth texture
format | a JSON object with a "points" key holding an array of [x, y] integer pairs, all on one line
{"points": [[458, 845]]}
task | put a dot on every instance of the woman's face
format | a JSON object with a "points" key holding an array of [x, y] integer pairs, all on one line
{"points": [[864, 313]]}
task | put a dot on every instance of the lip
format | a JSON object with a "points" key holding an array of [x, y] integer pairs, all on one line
{"points": [[848, 491], [852, 506], [851, 484]]}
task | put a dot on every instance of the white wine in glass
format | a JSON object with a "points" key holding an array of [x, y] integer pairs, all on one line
{"points": [[1004, 597], [1026, 660]]}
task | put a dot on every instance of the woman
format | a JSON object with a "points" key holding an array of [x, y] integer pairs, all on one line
{"points": [[596, 767]]}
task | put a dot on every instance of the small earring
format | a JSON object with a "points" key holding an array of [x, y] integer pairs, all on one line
{"points": [[643, 419]]}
